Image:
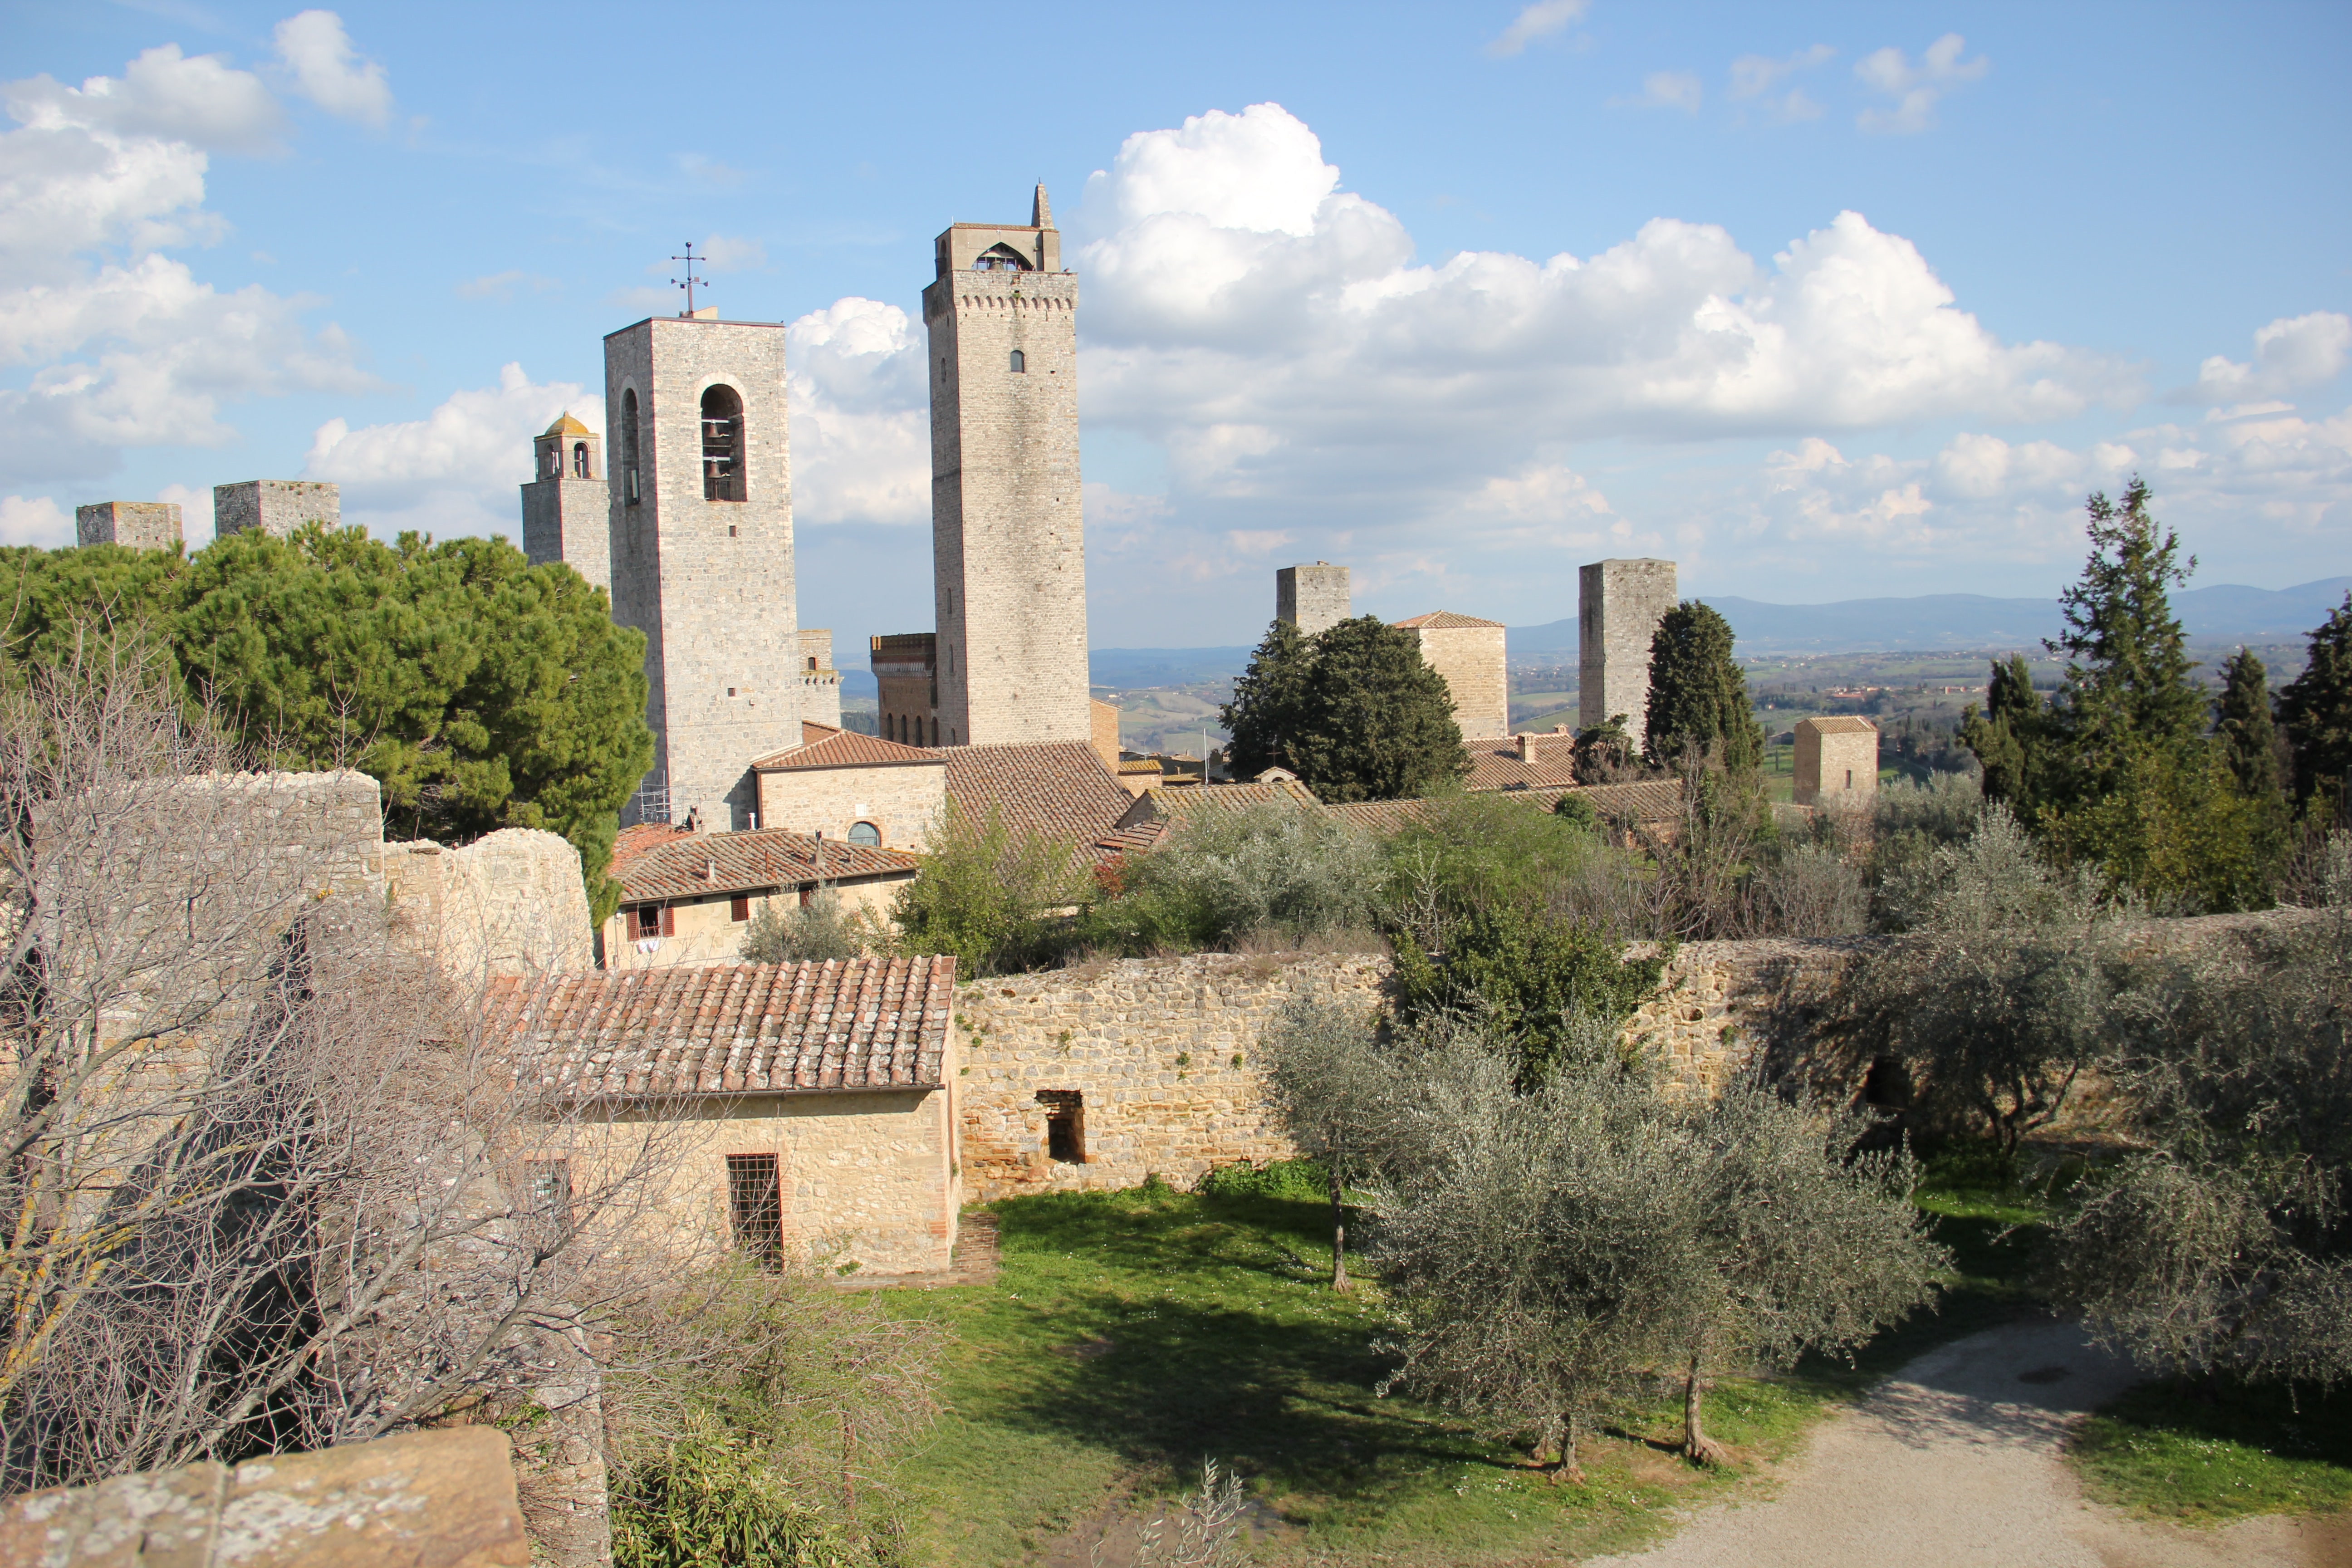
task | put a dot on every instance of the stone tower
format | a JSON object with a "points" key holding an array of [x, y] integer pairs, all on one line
{"points": [[701, 552], [133, 524], [1312, 598], [567, 512], [1008, 548], [1618, 606], [275, 506]]}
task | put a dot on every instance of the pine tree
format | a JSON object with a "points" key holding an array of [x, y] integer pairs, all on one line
{"points": [[1354, 711], [2316, 711], [2008, 736], [2241, 720], [1698, 698]]}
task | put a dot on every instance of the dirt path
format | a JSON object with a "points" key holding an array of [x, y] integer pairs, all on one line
{"points": [[1955, 1464]]}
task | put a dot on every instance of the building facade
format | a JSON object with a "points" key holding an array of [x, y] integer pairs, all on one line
{"points": [[1619, 604], [1007, 540], [1469, 653], [701, 541], [567, 508], [907, 682], [1837, 759]]}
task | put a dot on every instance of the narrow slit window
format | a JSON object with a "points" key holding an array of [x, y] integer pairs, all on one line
{"points": [[629, 446], [1020, 363], [722, 445], [580, 460], [755, 1203]]}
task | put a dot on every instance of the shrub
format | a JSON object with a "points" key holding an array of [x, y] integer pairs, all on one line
{"points": [[1220, 876], [824, 928], [986, 894]]}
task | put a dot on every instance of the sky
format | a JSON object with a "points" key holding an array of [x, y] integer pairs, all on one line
{"points": [[1821, 301]]}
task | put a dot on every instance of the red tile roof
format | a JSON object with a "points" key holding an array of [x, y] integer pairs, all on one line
{"points": [[1444, 620], [1160, 803], [696, 865], [1840, 724], [1649, 801], [732, 1029], [1057, 790], [822, 746], [1503, 770]]}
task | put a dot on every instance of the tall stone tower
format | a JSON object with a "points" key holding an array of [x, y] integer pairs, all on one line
{"points": [[1312, 598], [701, 542], [567, 511], [1618, 606], [1008, 547]]}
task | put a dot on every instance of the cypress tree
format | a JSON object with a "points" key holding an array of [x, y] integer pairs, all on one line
{"points": [[2241, 722], [1263, 716], [2006, 735], [2316, 711], [1698, 698], [1353, 711]]}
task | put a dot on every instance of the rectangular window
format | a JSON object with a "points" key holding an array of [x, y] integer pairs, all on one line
{"points": [[755, 1203], [738, 909], [646, 920], [551, 1191], [1065, 1125]]}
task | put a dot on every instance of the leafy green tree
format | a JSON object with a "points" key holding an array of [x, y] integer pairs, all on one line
{"points": [[481, 692], [1353, 711], [1275, 868], [1605, 752], [2242, 720], [1532, 979], [1698, 698], [2316, 710], [2009, 736], [986, 894]]}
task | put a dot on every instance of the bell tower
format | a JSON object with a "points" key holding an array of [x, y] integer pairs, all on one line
{"points": [[702, 538], [1008, 543], [566, 513]]}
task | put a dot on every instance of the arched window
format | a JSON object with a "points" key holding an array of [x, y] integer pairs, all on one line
{"points": [[1000, 258], [629, 446], [1020, 363], [722, 445], [935, 732], [866, 833], [580, 460]]}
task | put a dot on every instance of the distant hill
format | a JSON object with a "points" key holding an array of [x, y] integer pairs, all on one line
{"points": [[1969, 621], [1120, 667]]}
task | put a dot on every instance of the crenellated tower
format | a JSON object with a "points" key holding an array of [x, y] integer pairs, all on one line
{"points": [[1008, 541]]}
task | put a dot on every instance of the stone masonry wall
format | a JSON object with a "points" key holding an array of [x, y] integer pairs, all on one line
{"points": [[1312, 598], [1471, 659], [1163, 1050], [902, 800], [510, 903], [133, 524], [1007, 535], [275, 506], [570, 520], [1619, 605]]}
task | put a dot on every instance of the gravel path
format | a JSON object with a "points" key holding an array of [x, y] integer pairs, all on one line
{"points": [[1955, 1462]]}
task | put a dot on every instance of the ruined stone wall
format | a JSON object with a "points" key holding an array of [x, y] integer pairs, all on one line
{"points": [[510, 903], [1164, 1052]]}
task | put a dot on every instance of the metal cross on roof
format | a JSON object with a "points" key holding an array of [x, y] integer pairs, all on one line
{"points": [[690, 281]]}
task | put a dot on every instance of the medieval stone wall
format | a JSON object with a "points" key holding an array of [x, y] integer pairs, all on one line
{"points": [[570, 520], [133, 524], [510, 903]]}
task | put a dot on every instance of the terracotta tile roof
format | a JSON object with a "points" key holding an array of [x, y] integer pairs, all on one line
{"points": [[1139, 765], [732, 1029], [1159, 802], [1652, 800], [1380, 816], [1057, 790], [1504, 770], [1134, 840], [1445, 620], [1840, 724], [822, 746], [634, 841], [695, 865]]}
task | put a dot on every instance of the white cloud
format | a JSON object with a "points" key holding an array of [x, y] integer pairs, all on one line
{"points": [[329, 72], [723, 253], [162, 96], [1915, 89], [1752, 76], [35, 520], [2291, 353], [861, 415], [455, 470], [1540, 20], [1668, 89], [502, 286], [195, 512]]}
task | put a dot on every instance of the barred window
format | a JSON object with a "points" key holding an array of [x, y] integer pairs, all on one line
{"points": [[755, 1203]]}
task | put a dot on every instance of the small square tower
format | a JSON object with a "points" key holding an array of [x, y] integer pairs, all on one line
{"points": [[1469, 653], [1619, 604], [133, 524], [1008, 539], [820, 681], [906, 684], [701, 552], [1312, 598], [1837, 759], [276, 506], [567, 508]]}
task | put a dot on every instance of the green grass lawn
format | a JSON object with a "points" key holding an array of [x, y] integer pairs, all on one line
{"points": [[2199, 1455], [1131, 1334]]}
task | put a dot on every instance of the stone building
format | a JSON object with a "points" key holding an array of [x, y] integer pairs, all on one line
{"points": [[278, 507], [1837, 759], [567, 507], [689, 898], [855, 789], [822, 1097], [133, 524], [1312, 598], [701, 541], [1619, 604], [1102, 720], [906, 683], [819, 682], [1469, 653], [1008, 543]]}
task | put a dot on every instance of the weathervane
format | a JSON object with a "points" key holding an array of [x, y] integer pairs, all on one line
{"points": [[689, 282]]}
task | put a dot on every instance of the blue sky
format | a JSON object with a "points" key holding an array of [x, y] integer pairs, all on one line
{"points": [[1821, 301]]}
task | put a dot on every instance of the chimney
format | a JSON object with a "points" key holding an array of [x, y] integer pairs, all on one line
{"points": [[1527, 747]]}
